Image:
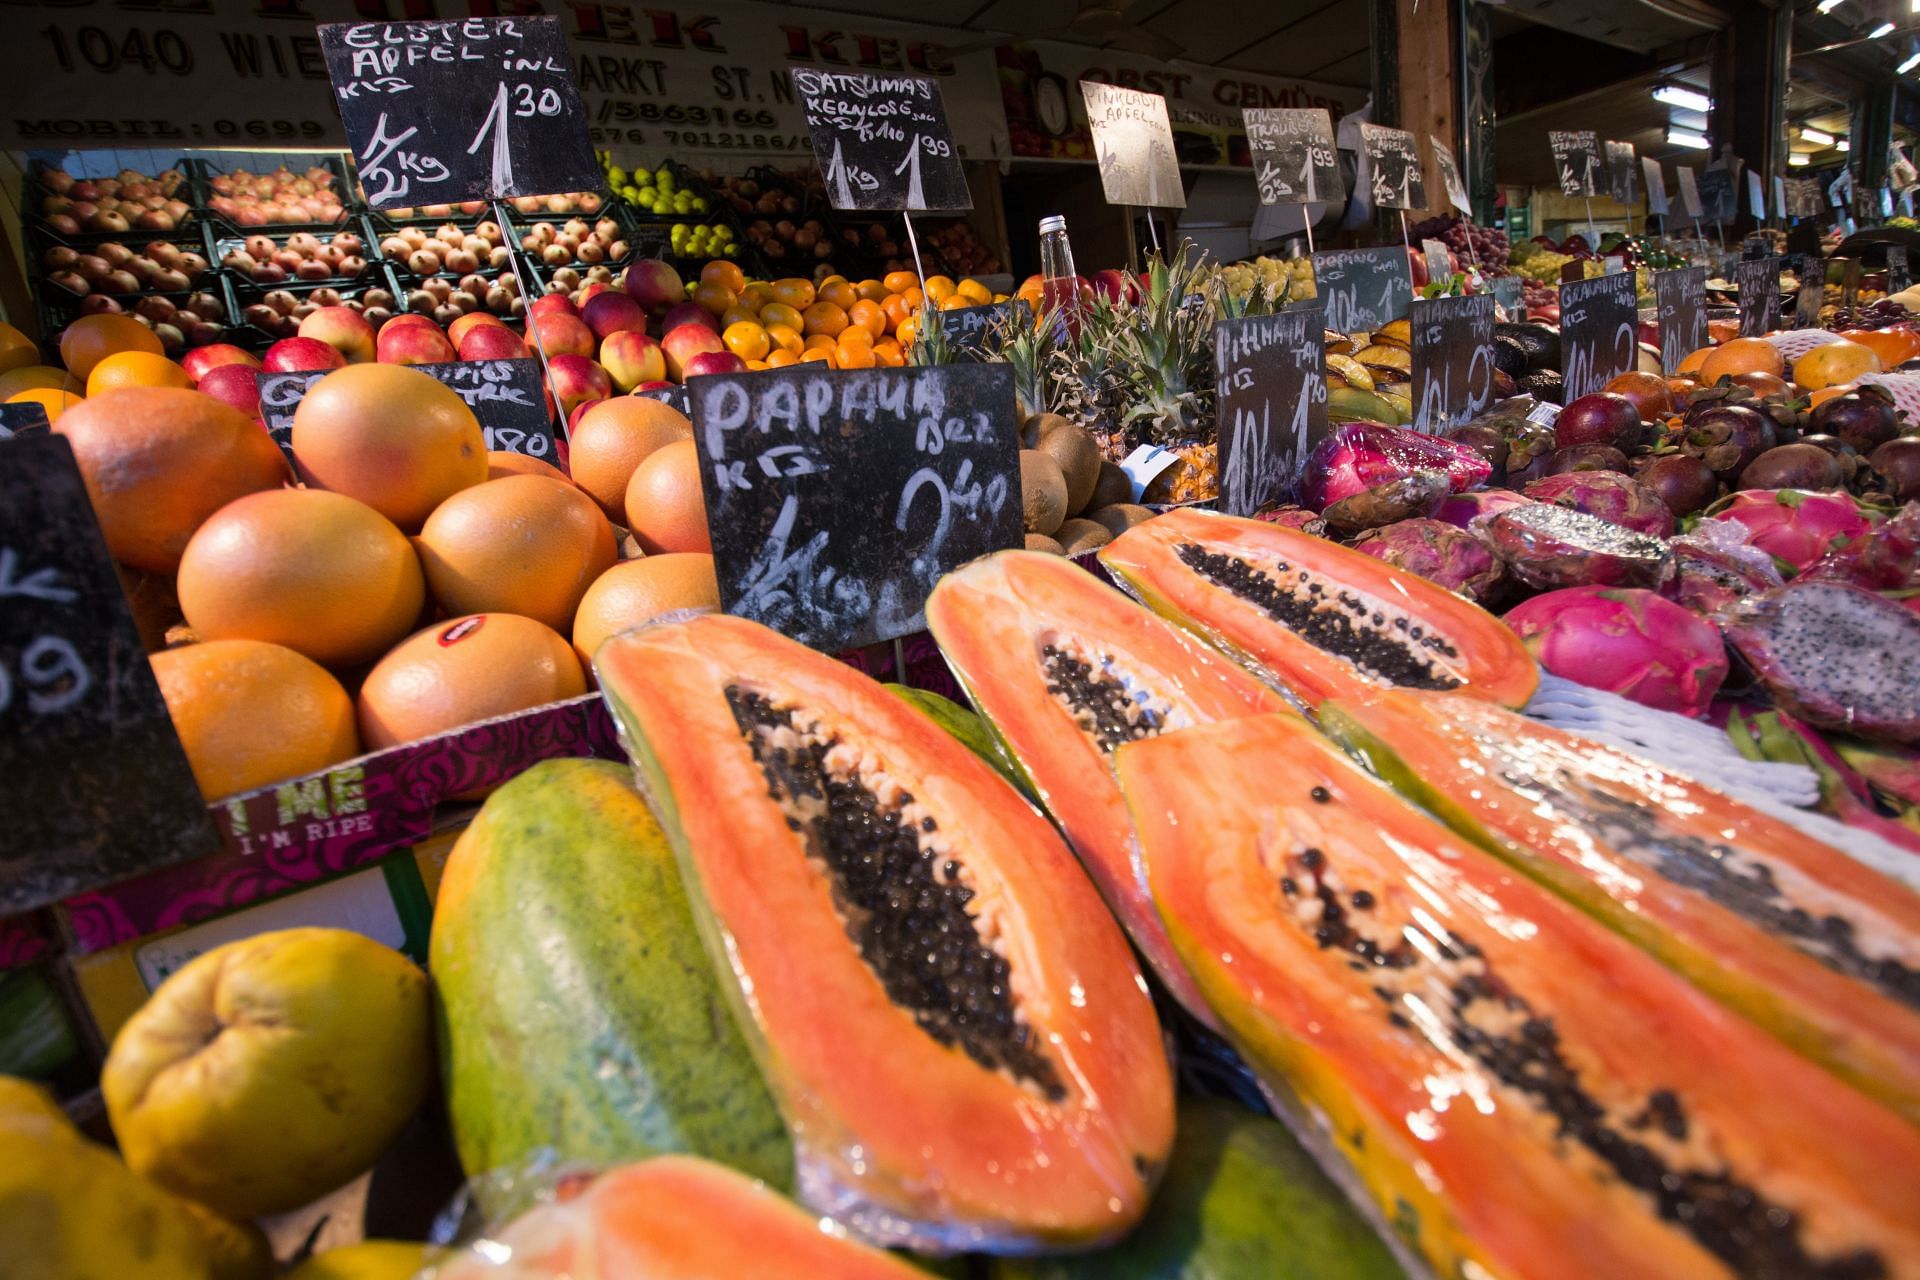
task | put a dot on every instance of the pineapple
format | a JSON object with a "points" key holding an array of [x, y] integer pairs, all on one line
{"points": [[1162, 348]]}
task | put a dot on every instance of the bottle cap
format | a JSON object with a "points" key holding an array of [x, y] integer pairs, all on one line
{"points": [[1052, 222]]}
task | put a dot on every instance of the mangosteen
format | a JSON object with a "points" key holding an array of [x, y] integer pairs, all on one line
{"points": [[1897, 463], [1585, 457], [1605, 418], [1541, 384], [1793, 466], [1865, 419], [1541, 344], [1490, 442], [1529, 445], [1727, 437], [1504, 386], [1509, 357], [1684, 483], [1832, 444]]}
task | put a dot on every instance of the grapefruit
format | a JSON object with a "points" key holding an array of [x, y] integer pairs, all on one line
{"points": [[321, 573], [393, 437], [36, 376], [1741, 355], [53, 401], [463, 670], [638, 591], [1833, 363], [159, 460], [529, 545], [17, 350], [91, 339], [135, 369], [500, 463], [665, 508], [612, 439], [251, 713]]}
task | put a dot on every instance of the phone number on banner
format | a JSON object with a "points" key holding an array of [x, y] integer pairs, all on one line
{"points": [[706, 141]]}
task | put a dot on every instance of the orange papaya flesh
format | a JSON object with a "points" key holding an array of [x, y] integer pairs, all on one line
{"points": [[676, 1216], [1521, 1090], [1315, 617], [1819, 949], [949, 1019], [1066, 668]]}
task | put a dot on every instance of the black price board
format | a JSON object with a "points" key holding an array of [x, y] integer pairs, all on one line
{"points": [[837, 498], [505, 395], [1293, 153], [882, 141], [1452, 360], [1759, 282], [25, 419], [471, 109], [1397, 179], [1623, 172], [1271, 379], [1812, 274], [1510, 296], [1716, 195], [1899, 274], [1577, 160], [1599, 332], [1681, 297], [1363, 289], [675, 395], [1134, 143], [979, 333], [94, 783]]}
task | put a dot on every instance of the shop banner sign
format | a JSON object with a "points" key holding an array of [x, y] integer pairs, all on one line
{"points": [[1656, 186], [1452, 360], [1134, 144], [505, 395], [1681, 299], [93, 780], [1363, 289], [1450, 176], [935, 459], [1758, 280], [1398, 181], [1271, 375], [17, 420], [1294, 157], [439, 112], [1576, 158], [1689, 191], [882, 142], [1599, 332], [1623, 172]]}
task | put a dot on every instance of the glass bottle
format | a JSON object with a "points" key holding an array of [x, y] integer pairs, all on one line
{"points": [[1059, 284]]}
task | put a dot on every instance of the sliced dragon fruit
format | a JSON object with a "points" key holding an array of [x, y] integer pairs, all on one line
{"points": [[1628, 641], [1609, 495], [1438, 552], [1361, 456], [1548, 547], [1885, 558], [1401, 498], [1794, 526], [1462, 509], [1835, 655], [1294, 518], [1715, 565]]}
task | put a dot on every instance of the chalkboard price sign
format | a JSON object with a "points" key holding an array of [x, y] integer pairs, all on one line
{"points": [[1759, 282], [1134, 143], [26, 419], [1899, 274], [1510, 297], [1271, 376], [1293, 153], [1656, 186], [1452, 359], [471, 109], [979, 333], [1576, 158], [505, 395], [1363, 289], [93, 780], [1812, 274], [675, 395], [837, 498], [1681, 297], [1689, 192], [882, 141], [1397, 179], [1623, 172], [1599, 332], [1717, 203]]}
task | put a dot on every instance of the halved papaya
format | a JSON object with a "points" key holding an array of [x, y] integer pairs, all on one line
{"points": [[1317, 618], [1066, 669], [1525, 1093], [1819, 949], [949, 1019], [671, 1216]]}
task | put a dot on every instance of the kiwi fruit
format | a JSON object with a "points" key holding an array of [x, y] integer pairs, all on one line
{"points": [[1078, 536], [1039, 427], [1041, 542], [1113, 487], [1043, 492], [1079, 459], [1118, 517]]}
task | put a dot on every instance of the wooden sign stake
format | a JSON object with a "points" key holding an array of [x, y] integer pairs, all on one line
{"points": [[1407, 243], [1153, 234]]}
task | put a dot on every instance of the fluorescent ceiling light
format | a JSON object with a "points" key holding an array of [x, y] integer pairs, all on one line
{"points": [[1911, 62], [1816, 135], [1798, 161], [1881, 30], [1844, 145], [1684, 138], [1828, 6], [1680, 96]]}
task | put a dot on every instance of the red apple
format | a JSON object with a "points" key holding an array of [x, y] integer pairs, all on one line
{"points": [[688, 313], [411, 344], [201, 360], [235, 384], [684, 343], [579, 412], [658, 384], [492, 342], [573, 380], [558, 303], [562, 335], [344, 328], [610, 313], [299, 355], [655, 285], [457, 331], [715, 362], [631, 358]]}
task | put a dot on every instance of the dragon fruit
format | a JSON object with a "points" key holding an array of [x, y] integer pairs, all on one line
{"points": [[1609, 495], [1294, 518], [1715, 565], [1627, 641], [1461, 509], [1366, 474], [1548, 547], [1794, 526], [1835, 655], [1436, 551], [1885, 558]]}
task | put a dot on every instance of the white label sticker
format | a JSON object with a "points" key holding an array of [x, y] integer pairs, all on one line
{"points": [[1144, 463], [1545, 413]]}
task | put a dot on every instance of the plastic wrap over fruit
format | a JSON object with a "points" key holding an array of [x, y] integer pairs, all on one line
{"points": [[1905, 388], [1717, 564], [1361, 456], [1795, 526], [1438, 552]]}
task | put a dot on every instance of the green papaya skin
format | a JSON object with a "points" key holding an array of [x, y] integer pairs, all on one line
{"points": [[577, 1009], [968, 727], [1241, 1200]]}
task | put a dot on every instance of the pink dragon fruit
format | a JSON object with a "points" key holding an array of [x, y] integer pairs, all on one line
{"points": [[1886, 558], [1627, 641], [1794, 526], [1437, 551], [1366, 474], [1548, 547], [1609, 495], [1707, 577], [1835, 655], [1294, 518], [1461, 509]]}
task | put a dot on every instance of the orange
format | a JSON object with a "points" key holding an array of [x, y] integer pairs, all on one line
{"points": [[889, 355], [638, 591], [837, 292], [900, 281], [36, 377], [747, 340], [954, 301], [908, 330], [522, 544], [91, 339], [17, 350], [755, 295], [665, 509], [914, 298], [738, 314], [977, 293], [1693, 361], [855, 335], [793, 292], [502, 463], [393, 437], [614, 437], [870, 290], [818, 342], [713, 298], [820, 355], [1032, 291], [321, 573], [869, 316], [727, 275], [467, 669], [754, 366], [1834, 363], [825, 317], [250, 713], [135, 369], [1825, 394], [1893, 346], [786, 338], [780, 313], [855, 356], [1741, 355], [781, 358], [159, 460], [53, 401], [895, 305], [939, 288]]}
